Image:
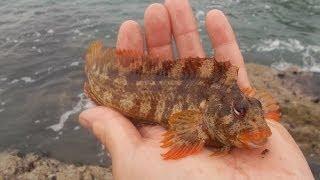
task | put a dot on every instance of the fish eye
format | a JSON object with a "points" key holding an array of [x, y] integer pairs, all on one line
{"points": [[239, 109]]}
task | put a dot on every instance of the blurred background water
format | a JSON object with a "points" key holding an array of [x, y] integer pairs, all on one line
{"points": [[41, 66]]}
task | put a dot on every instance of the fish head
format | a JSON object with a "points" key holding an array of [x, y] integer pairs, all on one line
{"points": [[237, 121]]}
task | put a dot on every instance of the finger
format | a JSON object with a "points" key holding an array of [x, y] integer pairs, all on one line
{"points": [[283, 144], [113, 130], [158, 31], [224, 43], [184, 28], [130, 36]]}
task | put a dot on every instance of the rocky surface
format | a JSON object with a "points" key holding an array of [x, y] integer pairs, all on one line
{"points": [[33, 167], [298, 94]]}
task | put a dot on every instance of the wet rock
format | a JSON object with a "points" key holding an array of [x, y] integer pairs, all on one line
{"points": [[316, 100], [35, 167], [281, 75]]}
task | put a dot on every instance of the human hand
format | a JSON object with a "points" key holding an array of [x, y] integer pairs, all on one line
{"points": [[136, 153]]}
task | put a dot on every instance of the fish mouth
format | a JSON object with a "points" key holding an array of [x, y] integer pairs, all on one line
{"points": [[255, 139]]}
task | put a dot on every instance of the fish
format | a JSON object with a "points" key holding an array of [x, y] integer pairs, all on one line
{"points": [[197, 100]]}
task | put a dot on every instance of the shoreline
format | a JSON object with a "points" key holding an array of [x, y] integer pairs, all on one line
{"points": [[14, 165], [297, 92]]}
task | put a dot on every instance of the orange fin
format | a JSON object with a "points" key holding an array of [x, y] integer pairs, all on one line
{"points": [[88, 92], [270, 106], [185, 135]]}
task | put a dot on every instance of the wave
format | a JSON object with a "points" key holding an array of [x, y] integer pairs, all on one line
{"points": [[83, 103], [27, 79], [268, 45], [309, 53]]}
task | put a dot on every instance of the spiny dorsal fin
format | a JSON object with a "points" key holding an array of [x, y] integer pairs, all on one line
{"points": [[129, 61], [94, 52]]}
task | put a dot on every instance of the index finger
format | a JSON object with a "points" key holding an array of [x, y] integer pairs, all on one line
{"points": [[184, 27], [225, 44]]}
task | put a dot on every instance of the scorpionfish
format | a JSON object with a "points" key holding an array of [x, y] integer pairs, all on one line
{"points": [[197, 100]]}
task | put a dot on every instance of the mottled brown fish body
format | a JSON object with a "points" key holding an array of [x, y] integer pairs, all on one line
{"points": [[146, 88], [196, 99]]}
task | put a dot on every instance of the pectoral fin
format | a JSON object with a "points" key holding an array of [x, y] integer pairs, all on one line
{"points": [[223, 151], [269, 105], [185, 135]]}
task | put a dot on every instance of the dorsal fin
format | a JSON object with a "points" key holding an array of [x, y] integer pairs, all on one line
{"points": [[129, 61], [94, 53]]}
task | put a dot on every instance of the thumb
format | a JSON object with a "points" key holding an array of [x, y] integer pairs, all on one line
{"points": [[113, 130]]}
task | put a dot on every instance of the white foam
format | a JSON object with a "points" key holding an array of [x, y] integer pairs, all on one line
{"points": [[37, 34], [1, 110], [50, 31], [3, 79], [268, 45], [76, 31], [14, 81], [37, 121], [87, 20], [81, 104], [36, 49], [310, 53], [311, 60], [50, 69], [27, 79], [76, 63], [282, 65], [76, 128], [267, 6], [3, 103]]}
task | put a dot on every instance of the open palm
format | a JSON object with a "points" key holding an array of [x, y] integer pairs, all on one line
{"points": [[136, 153]]}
